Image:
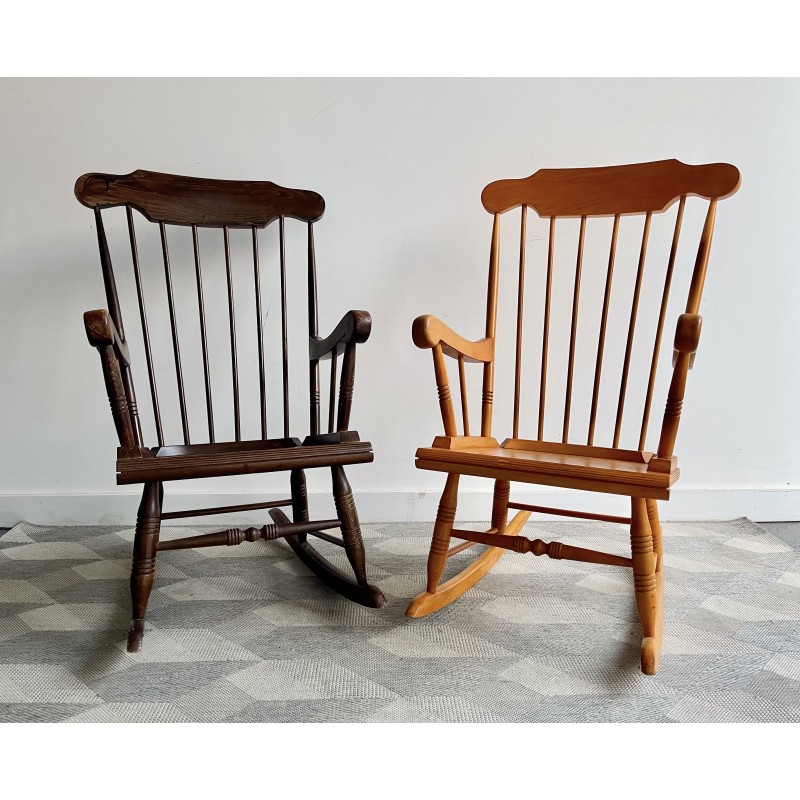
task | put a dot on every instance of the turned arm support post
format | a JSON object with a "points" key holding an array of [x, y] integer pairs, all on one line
{"points": [[103, 335], [687, 337], [354, 328], [431, 333]]}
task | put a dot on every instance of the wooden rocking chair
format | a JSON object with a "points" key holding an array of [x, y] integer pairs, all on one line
{"points": [[572, 461], [172, 200]]}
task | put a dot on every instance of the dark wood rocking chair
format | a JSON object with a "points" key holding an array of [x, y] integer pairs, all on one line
{"points": [[637, 189], [172, 200]]}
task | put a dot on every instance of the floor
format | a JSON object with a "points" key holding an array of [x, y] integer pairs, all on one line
{"points": [[247, 634], [788, 532]]}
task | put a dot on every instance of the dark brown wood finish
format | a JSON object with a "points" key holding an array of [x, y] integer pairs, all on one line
{"points": [[170, 200], [180, 200], [644, 190]]}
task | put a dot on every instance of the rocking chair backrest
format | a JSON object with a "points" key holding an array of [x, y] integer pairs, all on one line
{"points": [[637, 189], [173, 200]]}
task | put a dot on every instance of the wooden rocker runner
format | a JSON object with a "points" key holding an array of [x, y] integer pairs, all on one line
{"points": [[572, 458], [249, 206]]}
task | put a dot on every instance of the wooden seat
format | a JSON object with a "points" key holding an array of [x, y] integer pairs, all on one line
{"points": [[598, 469], [238, 458], [173, 201], [632, 197]]}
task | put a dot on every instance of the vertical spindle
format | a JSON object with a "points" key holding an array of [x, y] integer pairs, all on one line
{"points": [[174, 326], [598, 367], [313, 332], [546, 328], [232, 325], [520, 303], [145, 332], [443, 388], [346, 386], [463, 385], [701, 262], [284, 330], [631, 327], [573, 330], [491, 325], [661, 316], [262, 377], [332, 396], [203, 335], [110, 286]]}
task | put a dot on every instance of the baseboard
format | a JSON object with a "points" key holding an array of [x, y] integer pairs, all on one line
{"points": [[119, 508]]}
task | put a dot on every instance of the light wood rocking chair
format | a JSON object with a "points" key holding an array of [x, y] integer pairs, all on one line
{"points": [[249, 206], [637, 189]]}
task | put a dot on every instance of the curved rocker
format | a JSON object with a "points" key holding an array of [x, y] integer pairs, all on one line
{"points": [[428, 602], [364, 594]]}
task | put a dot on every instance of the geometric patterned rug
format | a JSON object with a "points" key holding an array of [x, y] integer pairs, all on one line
{"points": [[247, 634]]}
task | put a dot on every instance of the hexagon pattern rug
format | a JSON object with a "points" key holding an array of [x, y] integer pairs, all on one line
{"points": [[246, 633]]}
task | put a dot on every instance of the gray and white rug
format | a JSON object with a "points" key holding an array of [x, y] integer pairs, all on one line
{"points": [[248, 634]]}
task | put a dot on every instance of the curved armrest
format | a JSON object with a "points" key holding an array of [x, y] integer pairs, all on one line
{"points": [[428, 331], [354, 326], [101, 332]]}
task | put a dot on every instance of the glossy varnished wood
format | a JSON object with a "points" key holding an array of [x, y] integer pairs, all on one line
{"points": [[578, 461], [565, 469], [181, 200], [596, 191], [170, 200], [443, 594]]}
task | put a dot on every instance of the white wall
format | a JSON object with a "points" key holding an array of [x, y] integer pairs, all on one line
{"points": [[401, 164]]}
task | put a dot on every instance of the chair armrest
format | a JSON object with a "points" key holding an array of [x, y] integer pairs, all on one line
{"points": [[687, 337], [429, 331], [101, 332], [354, 327]]}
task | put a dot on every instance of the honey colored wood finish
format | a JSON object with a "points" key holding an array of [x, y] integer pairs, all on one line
{"points": [[567, 469], [171, 200], [443, 594], [595, 191], [580, 460]]}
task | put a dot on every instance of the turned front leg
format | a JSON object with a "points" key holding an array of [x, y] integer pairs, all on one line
{"points": [[145, 544], [502, 489], [646, 583], [437, 558], [351, 530], [644, 573]]}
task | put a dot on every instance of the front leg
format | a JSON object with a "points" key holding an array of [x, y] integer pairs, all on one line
{"points": [[647, 584], [351, 531], [145, 543], [299, 500]]}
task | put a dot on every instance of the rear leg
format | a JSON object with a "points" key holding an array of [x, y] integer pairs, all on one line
{"points": [[358, 590]]}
